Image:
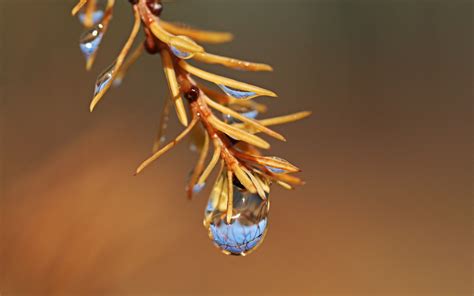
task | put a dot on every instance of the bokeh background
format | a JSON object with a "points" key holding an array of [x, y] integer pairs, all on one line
{"points": [[387, 154]]}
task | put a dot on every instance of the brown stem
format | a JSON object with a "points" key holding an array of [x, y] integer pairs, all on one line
{"points": [[198, 107]]}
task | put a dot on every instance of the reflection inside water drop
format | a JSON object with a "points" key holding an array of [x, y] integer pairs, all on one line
{"points": [[249, 113], [90, 40], [277, 170], [96, 17], [181, 54], [104, 79], [238, 94], [248, 225], [199, 187]]}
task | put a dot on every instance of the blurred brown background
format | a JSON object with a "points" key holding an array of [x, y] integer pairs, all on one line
{"points": [[387, 155]]}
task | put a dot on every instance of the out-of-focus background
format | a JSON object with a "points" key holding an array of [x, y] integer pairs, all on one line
{"points": [[387, 154]]}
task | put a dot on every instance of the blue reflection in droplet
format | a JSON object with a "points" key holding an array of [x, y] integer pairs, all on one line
{"points": [[90, 40], [199, 187], [252, 114], [238, 94], [277, 170], [180, 54], [248, 224], [96, 17], [236, 238], [104, 79]]}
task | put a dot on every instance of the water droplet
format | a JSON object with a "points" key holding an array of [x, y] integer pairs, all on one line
{"points": [[90, 40], [117, 81], [96, 17], [197, 139], [199, 187], [193, 147], [184, 46], [249, 113], [249, 221], [277, 170], [238, 94], [162, 139], [228, 118], [104, 79], [181, 54]]}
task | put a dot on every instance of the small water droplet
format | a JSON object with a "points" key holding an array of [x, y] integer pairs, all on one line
{"points": [[248, 225], [181, 54], [277, 170], [249, 113], [162, 139], [90, 40], [104, 79], [193, 147], [199, 187], [238, 94], [197, 140], [228, 118], [117, 81], [96, 17]]}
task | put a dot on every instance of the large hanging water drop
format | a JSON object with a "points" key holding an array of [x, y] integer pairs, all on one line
{"points": [[238, 94], [248, 225], [90, 40], [104, 79]]}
